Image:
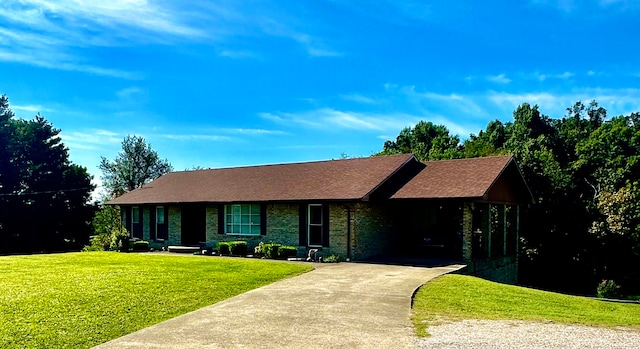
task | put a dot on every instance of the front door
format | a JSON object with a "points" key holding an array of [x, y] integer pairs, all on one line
{"points": [[193, 224]]}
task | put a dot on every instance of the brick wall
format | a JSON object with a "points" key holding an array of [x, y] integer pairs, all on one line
{"points": [[502, 269], [371, 230]]}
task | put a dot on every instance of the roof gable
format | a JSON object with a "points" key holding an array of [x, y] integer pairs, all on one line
{"points": [[349, 179], [494, 178]]}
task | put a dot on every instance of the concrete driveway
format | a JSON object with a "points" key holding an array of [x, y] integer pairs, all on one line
{"points": [[344, 305]]}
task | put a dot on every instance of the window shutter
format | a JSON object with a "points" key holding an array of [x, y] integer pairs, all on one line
{"points": [[263, 219], [325, 225], [127, 219], [220, 219], [165, 226], [303, 225]]}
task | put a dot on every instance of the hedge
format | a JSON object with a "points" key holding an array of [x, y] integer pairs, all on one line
{"points": [[287, 251], [238, 248], [141, 246], [223, 247]]}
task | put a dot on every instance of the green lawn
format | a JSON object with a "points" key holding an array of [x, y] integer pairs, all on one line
{"points": [[78, 300], [457, 297]]}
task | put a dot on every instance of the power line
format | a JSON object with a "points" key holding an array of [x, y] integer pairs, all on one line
{"points": [[45, 192]]}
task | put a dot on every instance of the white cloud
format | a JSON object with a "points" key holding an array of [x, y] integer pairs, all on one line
{"points": [[314, 46], [196, 137], [543, 77], [616, 101], [90, 139], [358, 98], [239, 54], [34, 108], [254, 131], [571, 6], [59, 34], [332, 119], [52, 34], [499, 79], [514, 99]]}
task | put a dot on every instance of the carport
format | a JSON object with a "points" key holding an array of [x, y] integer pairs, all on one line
{"points": [[466, 211]]}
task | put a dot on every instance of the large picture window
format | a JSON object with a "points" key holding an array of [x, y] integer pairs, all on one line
{"points": [[243, 219]]}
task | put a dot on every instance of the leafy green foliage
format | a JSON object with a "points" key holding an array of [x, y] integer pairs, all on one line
{"points": [[108, 230], [136, 165], [223, 248], [287, 251], [79, 300], [271, 250], [332, 259], [427, 141], [141, 246], [43, 196], [456, 297], [608, 289], [119, 241], [238, 248]]}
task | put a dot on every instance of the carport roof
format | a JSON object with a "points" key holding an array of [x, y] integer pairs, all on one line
{"points": [[463, 178]]}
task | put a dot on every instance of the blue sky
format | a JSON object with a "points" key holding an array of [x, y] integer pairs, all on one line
{"points": [[228, 83]]}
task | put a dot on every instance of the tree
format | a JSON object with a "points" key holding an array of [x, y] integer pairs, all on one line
{"points": [[136, 165], [427, 141], [486, 143], [43, 196]]}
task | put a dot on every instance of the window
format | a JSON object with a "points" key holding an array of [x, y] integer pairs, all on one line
{"points": [[315, 225], [242, 219], [160, 215], [135, 213]]}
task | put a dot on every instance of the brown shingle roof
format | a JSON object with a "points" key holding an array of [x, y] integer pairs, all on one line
{"points": [[323, 180], [461, 178]]}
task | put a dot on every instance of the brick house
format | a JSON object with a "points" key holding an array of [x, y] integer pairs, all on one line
{"points": [[466, 209]]}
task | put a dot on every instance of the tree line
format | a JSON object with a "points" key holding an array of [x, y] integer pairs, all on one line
{"points": [[584, 171]]}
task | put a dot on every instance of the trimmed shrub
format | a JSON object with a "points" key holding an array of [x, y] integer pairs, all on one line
{"points": [[608, 289], [141, 246], [223, 248], [287, 251], [271, 250], [238, 248], [332, 259]]}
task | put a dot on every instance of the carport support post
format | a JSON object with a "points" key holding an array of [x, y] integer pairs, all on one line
{"points": [[489, 220], [517, 231], [467, 231], [504, 229]]}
